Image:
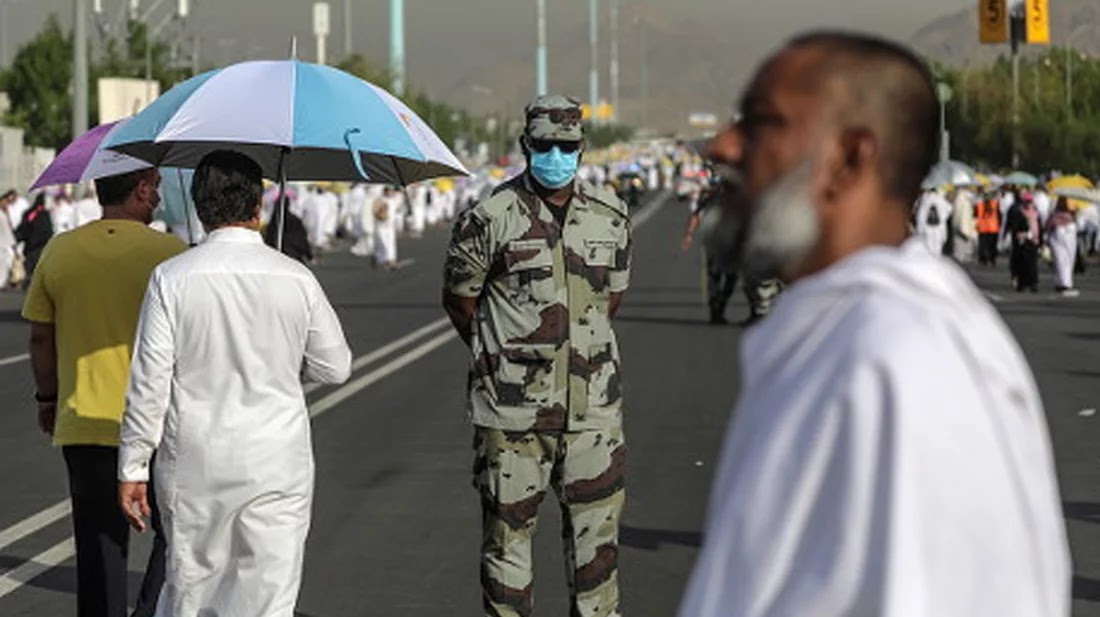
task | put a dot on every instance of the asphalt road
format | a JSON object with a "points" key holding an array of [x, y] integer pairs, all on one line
{"points": [[396, 524]]}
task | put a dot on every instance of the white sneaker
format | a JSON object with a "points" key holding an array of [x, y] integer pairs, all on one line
{"points": [[1070, 293]]}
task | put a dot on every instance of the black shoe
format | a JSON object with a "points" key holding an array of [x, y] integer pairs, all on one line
{"points": [[717, 318]]}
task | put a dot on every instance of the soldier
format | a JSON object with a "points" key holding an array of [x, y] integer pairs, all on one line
{"points": [[533, 276], [722, 255]]}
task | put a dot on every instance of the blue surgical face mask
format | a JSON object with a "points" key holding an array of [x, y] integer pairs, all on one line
{"points": [[554, 168]]}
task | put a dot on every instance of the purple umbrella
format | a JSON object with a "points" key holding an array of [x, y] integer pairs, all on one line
{"points": [[85, 159]]}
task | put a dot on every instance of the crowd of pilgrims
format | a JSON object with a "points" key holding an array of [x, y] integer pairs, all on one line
{"points": [[1029, 224]]}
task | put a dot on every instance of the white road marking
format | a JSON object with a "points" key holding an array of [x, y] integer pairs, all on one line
{"points": [[14, 359], [389, 348], [66, 549], [39, 564], [347, 390], [31, 524]]}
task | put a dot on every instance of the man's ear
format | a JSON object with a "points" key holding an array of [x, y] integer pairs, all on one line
{"points": [[850, 156]]}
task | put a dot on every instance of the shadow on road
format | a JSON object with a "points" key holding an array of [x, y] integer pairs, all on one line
{"points": [[1082, 511], [652, 539], [12, 316], [1086, 589], [1089, 374]]}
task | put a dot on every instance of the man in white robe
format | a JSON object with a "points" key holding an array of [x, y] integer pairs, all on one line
{"points": [[889, 453], [228, 330], [931, 220], [88, 209], [7, 239], [387, 210], [418, 208]]}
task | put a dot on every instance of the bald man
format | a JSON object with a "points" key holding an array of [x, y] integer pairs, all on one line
{"points": [[889, 452]]}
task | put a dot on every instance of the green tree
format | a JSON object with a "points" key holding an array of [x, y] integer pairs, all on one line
{"points": [[38, 85]]}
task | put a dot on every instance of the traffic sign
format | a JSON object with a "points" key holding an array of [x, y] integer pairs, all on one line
{"points": [[993, 21]]}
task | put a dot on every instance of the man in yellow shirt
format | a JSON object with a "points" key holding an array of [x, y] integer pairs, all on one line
{"points": [[83, 305]]}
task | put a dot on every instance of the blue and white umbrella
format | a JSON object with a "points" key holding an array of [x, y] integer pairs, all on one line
{"points": [[299, 121]]}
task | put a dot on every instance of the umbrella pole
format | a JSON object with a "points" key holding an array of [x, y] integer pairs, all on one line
{"points": [[281, 204], [186, 208]]}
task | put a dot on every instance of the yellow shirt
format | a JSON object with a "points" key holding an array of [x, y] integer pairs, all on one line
{"points": [[90, 284]]}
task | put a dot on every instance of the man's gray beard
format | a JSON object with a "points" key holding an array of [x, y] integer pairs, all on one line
{"points": [[783, 228]]}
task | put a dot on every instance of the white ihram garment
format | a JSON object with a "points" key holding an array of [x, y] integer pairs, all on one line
{"points": [[1063, 251], [385, 232], [888, 457], [933, 236], [7, 248], [228, 331], [88, 210]]}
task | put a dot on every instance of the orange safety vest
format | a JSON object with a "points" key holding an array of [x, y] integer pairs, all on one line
{"points": [[989, 216]]}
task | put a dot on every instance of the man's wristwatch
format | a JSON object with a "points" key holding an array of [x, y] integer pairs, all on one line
{"points": [[45, 398]]}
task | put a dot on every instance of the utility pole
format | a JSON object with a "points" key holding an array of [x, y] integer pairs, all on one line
{"points": [[541, 86], [80, 68], [347, 28], [644, 90], [320, 29], [593, 49], [397, 46], [614, 60], [1016, 37]]}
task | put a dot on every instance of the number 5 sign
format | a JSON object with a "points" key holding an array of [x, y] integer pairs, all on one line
{"points": [[993, 21], [1038, 22]]}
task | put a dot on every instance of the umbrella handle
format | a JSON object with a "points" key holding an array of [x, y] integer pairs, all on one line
{"points": [[355, 153]]}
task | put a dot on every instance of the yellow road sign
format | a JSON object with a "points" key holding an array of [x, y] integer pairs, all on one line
{"points": [[1038, 22], [993, 21]]}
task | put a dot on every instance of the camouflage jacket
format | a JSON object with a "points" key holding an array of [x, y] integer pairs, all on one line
{"points": [[544, 356]]}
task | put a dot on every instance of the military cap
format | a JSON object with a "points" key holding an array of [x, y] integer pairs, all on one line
{"points": [[554, 117]]}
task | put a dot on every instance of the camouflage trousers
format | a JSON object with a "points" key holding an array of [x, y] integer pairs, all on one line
{"points": [[759, 292], [512, 472]]}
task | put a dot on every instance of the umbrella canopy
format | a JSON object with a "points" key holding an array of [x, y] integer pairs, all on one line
{"points": [[87, 159], [1021, 178], [1065, 182], [949, 172], [1076, 193], [308, 121]]}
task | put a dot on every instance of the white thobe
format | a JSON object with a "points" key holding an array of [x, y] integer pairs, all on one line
{"points": [[1063, 252], [418, 195], [228, 330], [962, 220], [1042, 204], [63, 217], [385, 232], [933, 236], [7, 248], [17, 209], [888, 456]]}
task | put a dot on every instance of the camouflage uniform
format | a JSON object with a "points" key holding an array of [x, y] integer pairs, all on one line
{"points": [[544, 388]]}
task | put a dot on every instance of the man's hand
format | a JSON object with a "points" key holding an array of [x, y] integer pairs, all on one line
{"points": [[132, 497], [47, 417], [686, 242]]}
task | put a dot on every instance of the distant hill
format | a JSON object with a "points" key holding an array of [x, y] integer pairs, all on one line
{"points": [[953, 39]]}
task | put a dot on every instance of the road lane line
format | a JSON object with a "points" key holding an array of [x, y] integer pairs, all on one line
{"points": [[388, 348], [640, 219], [14, 359], [352, 387], [39, 564], [31, 524]]}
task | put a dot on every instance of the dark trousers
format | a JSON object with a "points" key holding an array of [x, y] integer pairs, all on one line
{"points": [[103, 537], [987, 249], [720, 286], [1025, 265]]}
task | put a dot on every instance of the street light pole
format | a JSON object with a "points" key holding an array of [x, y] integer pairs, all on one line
{"points": [[541, 86], [644, 77], [614, 23], [80, 68], [593, 47]]}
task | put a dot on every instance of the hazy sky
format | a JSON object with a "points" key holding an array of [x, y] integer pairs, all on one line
{"points": [[451, 44], [232, 29]]}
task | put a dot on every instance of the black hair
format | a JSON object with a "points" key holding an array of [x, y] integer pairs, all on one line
{"points": [[113, 190], [8, 193], [226, 189], [891, 88]]}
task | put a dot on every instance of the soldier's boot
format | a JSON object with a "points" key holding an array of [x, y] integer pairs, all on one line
{"points": [[589, 482]]}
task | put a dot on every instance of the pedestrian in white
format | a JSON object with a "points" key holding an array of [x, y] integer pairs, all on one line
{"points": [[931, 220], [1042, 202], [418, 197], [330, 217], [7, 239], [63, 214], [17, 209], [889, 454], [227, 332], [1061, 232], [963, 225], [386, 211], [88, 208], [361, 220]]}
